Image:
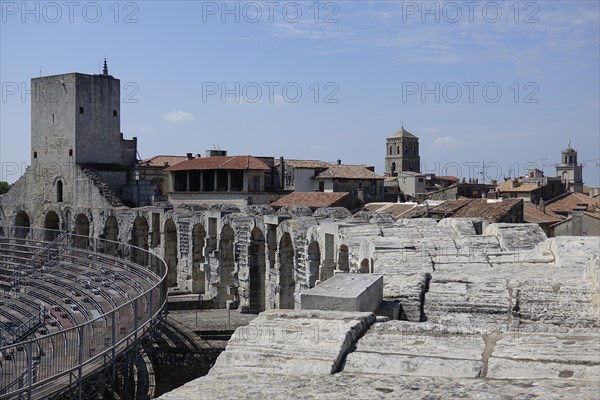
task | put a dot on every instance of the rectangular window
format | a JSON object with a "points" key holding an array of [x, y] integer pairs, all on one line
{"points": [[114, 113], [35, 154], [80, 110]]}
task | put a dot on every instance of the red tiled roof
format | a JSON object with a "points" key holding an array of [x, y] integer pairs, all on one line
{"points": [[396, 209], [450, 206], [447, 178], [311, 199], [336, 171], [533, 215], [162, 161], [567, 203], [489, 211], [308, 164], [525, 188], [221, 162]]}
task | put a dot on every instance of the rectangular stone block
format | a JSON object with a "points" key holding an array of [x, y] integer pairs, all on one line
{"points": [[345, 292]]}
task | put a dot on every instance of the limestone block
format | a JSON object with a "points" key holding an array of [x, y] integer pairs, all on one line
{"points": [[345, 292], [516, 236], [293, 342]]}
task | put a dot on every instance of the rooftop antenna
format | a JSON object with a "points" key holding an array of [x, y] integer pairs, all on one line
{"points": [[105, 69], [543, 159], [40, 72]]}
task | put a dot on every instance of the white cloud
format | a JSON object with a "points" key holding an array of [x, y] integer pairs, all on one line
{"points": [[178, 116], [445, 143]]}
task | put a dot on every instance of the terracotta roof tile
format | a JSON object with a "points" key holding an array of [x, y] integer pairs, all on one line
{"points": [[450, 206], [506, 185], [311, 199], [489, 211], [567, 203], [221, 162], [396, 209], [533, 215], [162, 161], [447, 178], [336, 171], [309, 164]]}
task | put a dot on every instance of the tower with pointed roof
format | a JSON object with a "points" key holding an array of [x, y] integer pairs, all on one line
{"points": [[569, 171], [402, 153]]}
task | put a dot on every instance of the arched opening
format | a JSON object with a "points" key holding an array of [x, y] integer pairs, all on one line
{"points": [[111, 234], [393, 167], [343, 259], [171, 252], [226, 261], [257, 271], [391, 149], [398, 150], [364, 267], [198, 240], [287, 286], [22, 224], [51, 223], [59, 192], [139, 238], [314, 263], [82, 229]]}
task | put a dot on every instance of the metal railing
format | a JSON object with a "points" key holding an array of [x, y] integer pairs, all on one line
{"points": [[46, 365]]}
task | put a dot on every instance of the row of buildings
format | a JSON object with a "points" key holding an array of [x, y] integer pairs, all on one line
{"points": [[78, 139]]}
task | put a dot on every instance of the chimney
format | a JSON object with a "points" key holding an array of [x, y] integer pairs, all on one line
{"points": [[190, 156], [542, 206], [282, 168], [339, 162], [494, 182]]}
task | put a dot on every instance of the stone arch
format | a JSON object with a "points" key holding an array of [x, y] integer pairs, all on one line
{"points": [[22, 224], [314, 263], [257, 271], [52, 224], [198, 242], [343, 259], [226, 261], [111, 234], [393, 167], [365, 267], [139, 238], [287, 285], [170, 231], [82, 229]]}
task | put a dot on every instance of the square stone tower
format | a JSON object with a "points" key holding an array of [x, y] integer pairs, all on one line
{"points": [[402, 153], [76, 118], [569, 171]]}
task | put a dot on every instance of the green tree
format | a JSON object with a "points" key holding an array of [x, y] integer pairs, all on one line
{"points": [[4, 186]]}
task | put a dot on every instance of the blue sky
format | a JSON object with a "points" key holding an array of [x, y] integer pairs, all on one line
{"points": [[363, 69]]}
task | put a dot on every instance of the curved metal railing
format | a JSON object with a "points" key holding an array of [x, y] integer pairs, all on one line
{"points": [[45, 365]]}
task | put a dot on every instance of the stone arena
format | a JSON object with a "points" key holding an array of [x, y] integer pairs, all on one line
{"points": [[358, 305]]}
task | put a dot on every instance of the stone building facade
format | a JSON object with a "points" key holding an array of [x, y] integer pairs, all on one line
{"points": [[569, 171], [248, 256], [402, 153]]}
